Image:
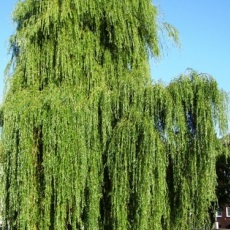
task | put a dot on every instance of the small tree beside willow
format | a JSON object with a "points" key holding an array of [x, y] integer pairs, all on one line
{"points": [[89, 141]]}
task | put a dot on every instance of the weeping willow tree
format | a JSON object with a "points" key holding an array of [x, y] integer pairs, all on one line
{"points": [[89, 141], [200, 109]]}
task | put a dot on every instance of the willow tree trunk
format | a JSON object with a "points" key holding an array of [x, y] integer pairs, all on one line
{"points": [[88, 141]]}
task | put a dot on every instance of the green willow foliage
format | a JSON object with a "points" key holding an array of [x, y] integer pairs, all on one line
{"points": [[89, 142]]}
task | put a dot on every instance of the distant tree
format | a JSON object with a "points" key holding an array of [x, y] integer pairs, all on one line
{"points": [[89, 141], [223, 174], [223, 180]]}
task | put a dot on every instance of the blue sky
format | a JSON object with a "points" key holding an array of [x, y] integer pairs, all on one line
{"points": [[204, 32], [205, 40]]}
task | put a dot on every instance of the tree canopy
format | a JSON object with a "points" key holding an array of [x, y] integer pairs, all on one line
{"points": [[89, 140]]}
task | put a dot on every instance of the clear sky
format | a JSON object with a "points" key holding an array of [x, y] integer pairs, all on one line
{"points": [[204, 27]]}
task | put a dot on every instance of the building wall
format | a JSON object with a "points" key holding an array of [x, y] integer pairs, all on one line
{"points": [[224, 221]]}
